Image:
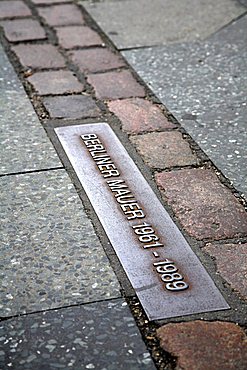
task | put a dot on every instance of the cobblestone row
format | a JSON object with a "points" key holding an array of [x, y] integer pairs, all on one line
{"points": [[75, 73]]}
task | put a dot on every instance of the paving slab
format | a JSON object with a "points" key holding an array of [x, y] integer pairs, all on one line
{"points": [[235, 274], [205, 345], [204, 86], [23, 30], [61, 15], [24, 143], [55, 82], [71, 106], [164, 149], [50, 253], [115, 85], [134, 23], [139, 115], [96, 60], [100, 336], [39, 56], [17, 8], [77, 36], [204, 206]]}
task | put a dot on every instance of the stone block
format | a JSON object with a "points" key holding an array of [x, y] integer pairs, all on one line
{"points": [[204, 206]]}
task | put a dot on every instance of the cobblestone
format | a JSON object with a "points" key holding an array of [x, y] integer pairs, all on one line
{"points": [[61, 15], [55, 82], [23, 30], [205, 345], [74, 106], [77, 36], [39, 56], [235, 273], [204, 206], [115, 85], [164, 149], [10, 9], [96, 60], [139, 115]]}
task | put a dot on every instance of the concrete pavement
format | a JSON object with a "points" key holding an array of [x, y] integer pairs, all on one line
{"points": [[65, 299]]}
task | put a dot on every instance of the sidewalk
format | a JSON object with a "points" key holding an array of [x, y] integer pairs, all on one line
{"points": [[66, 302]]}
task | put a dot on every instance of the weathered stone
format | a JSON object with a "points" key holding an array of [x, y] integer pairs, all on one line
{"points": [[39, 56], [96, 60], [231, 261], [205, 207], [77, 36], [55, 82], [72, 106], [164, 149], [205, 345], [23, 30], [115, 85], [61, 15], [139, 115], [10, 9]]}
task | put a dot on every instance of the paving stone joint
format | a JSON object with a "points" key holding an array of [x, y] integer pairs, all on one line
{"points": [[58, 268]]}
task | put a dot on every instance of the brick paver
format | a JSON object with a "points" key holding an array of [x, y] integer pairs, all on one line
{"points": [[139, 115], [96, 60], [73, 106], [164, 149], [55, 82], [77, 36], [10, 9], [204, 206], [231, 261], [61, 15], [23, 30], [199, 345], [115, 85], [39, 56]]}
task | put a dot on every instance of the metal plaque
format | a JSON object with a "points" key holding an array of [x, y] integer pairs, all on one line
{"points": [[167, 276]]}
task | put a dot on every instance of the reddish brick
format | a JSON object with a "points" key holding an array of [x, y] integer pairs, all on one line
{"points": [[73, 106], [199, 345], [10, 9], [56, 82], [23, 30], [231, 260], [61, 15], [164, 149], [115, 85], [77, 36], [50, 1], [39, 56], [139, 115], [96, 60], [204, 206]]}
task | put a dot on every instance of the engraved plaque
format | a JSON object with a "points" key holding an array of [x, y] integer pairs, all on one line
{"points": [[167, 276]]}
